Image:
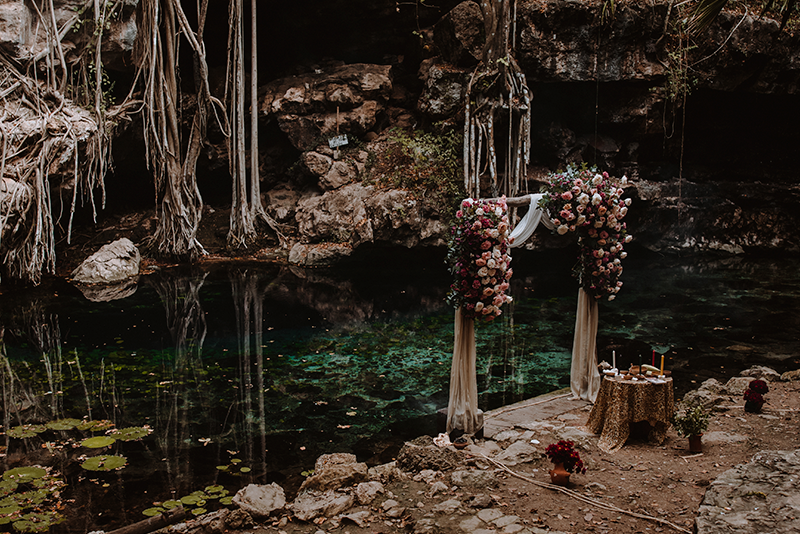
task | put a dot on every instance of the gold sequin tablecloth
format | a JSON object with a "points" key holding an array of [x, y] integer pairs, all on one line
{"points": [[622, 402]]}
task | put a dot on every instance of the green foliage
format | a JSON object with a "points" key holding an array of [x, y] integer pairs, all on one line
{"points": [[98, 442], [30, 499], [690, 422], [423, 162]]}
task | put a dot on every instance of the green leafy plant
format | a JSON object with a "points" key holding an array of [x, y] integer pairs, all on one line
{"points": [[690, 422]]}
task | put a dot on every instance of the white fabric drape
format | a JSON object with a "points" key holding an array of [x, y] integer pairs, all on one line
{"points": [[524, 229], [584, 377], [462, 410]]}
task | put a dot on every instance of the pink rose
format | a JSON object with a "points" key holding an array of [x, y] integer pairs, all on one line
{"points": [[486, 245], [566, 195], [480, 262]]}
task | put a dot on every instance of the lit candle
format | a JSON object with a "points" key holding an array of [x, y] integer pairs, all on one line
{"points": [[614, 359], [662, 365]]}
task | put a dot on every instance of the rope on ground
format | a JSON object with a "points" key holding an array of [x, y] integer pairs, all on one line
{"points": [[585, 499], [520, 406]]}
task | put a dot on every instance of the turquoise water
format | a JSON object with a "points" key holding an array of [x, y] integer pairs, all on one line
{"points": [[274, 366]]}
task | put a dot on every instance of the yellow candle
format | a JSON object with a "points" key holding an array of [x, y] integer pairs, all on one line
{"points": [[662, 365]]}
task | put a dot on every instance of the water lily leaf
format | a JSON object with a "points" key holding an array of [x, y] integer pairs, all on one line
{"points": [[8, 510], [190, 500], [63, 424], [5, 519], [244, 470], [30, 498], [26, 431], [99, 425], [150, 512], [7, 486], [198, 493], [104, 463], [215, 489], [169, 505], [37, 522], [227, 501], [199, 511], [131, 433], [98, 442], [23, 475], [235, 460], [222, 467]]}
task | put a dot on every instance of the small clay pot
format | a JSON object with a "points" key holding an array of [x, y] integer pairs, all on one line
{"points": [[460, 443], [559, 476], [696, 443]]}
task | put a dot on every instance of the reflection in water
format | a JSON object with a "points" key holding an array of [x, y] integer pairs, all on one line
{"points": [[274, 366]]}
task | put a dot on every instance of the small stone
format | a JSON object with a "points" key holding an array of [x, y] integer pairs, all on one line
{"points": [[489, 514]]}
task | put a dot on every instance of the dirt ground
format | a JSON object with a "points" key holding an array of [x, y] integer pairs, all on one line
{"points": [[664, 481]]}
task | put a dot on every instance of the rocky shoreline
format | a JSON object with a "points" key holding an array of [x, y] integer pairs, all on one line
{"points": [[742, 482]]}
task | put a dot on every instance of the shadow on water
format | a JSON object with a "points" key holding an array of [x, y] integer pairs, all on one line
{"points": [[247, 373]]}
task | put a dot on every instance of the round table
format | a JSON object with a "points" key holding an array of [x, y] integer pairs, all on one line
{"points": [[621, 402]]}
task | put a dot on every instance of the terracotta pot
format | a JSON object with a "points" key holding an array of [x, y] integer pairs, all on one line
{"points": [[559, 476], [696, 443]]}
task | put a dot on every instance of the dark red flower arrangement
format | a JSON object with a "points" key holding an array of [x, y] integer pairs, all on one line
{"points": [[754, 395], [564, 452]]}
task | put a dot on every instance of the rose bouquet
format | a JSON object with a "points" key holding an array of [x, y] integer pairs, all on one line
{"points": [[478, 258], [564, 453], [584, 201]]}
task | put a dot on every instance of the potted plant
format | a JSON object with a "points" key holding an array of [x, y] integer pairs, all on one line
{"points": [[754, 396], [566, 460], [691, 423]]}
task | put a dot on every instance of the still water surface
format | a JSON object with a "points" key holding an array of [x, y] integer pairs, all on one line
{"points": [[270, 366]]}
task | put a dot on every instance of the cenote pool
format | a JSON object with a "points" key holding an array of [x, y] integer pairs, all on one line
{"points": [[247, 373]]}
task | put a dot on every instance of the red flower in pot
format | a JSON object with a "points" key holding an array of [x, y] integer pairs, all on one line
{"points": [[754, 396], [566, 460]]}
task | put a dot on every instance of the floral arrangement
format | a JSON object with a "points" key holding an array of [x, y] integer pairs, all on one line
{"points": [[564, 452], [478, 258], [754, 395], [584, 201]]}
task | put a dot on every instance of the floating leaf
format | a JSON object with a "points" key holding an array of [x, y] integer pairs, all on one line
{"points": [[244, 470], [104, 463], [30, 498], [7, 486], [227, 501], [215, 489], [189, 500], [63, 424], [8, 510], [99, 425], [98, 442], [37, 522], [131, 433], [26, 431], [23, 475], [169, 505], [222, 467], [150, 512], [235, 460], [199, 511]]}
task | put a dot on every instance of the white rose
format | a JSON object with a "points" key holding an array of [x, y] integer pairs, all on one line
{"points": [[623, 255], [623, 211], [491, 263], [597, 179], [478, 306], [596, 199], [498, 211], [483, 272], [563, 229], [624, 179], [479, 211], [493, 233], [583, 198], [496, 254], [581, 220], [598, 224], [627, 202], [628, 238]]}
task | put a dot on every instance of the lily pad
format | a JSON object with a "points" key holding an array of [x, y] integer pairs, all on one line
{"points": [[26, 431], [199, 511], [63, 424], [23, 475], [131, 433], [244, 470], [227, 501], [222, 467], [151, 512], [99, 425], [215, 489], [7, 486], [37, 522], [104, 463], [169, 505], [8, 510], [98, 442], [190, 500]]}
